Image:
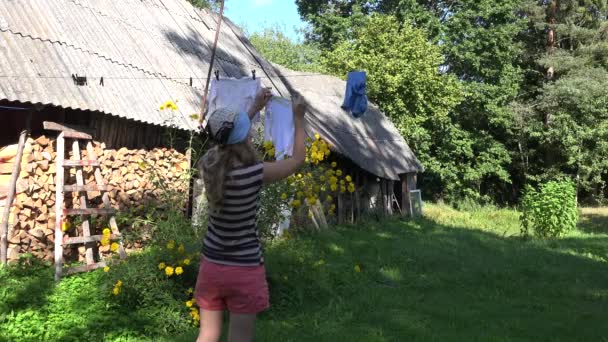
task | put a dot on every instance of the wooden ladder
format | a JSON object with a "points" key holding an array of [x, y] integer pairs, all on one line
{"points": [[89, 241]]}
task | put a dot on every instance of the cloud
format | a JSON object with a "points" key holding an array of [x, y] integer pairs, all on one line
{"points": [[260, 3]]}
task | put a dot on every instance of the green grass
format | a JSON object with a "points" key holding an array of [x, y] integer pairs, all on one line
{"points": [[455, 276]]}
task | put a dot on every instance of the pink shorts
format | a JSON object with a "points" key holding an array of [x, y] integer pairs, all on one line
{"points": [[240, 289]]}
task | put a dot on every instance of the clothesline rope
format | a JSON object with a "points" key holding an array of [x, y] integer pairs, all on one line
{"points": [[148, 78]]}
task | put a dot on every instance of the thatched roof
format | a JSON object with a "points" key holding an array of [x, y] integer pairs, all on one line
{"points": [[147, 51]]}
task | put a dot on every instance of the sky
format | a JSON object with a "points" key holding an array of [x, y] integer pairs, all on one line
{"points": [[256, 14]]}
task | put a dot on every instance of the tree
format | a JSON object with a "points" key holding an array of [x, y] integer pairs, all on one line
{"points": [[405, 81], [569, 97], [275, 46]]}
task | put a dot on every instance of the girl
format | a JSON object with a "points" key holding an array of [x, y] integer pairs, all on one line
{"points": [[232, 275]]}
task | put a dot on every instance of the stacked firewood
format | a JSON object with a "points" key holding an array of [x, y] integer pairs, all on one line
{"points": [[134, 179]]}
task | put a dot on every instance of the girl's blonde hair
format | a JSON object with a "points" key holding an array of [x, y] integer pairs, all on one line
{"points": [[217, 162]]}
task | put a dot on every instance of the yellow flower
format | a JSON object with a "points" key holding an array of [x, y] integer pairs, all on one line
{"points": [[317, 136], [333, 187], [300, 194], [105, 241], [329, 198], [161, 266], [334, 164], [308, 139], [179, 270], [332, 207], [322, 178], [342, 189], [186, 261], [181, 248], [342, 182], [119, 283], [114, 247], [171, 244], [339, 173], [107, 232], [299, 175], [351, 188], [349, 179], [312, 201], [296, 204], [162, 107], [357, 268], [106, 269], [189, 290], [283, 196], [65, 226], [169, 271], [116, 291], [189, 303], [310, 214], [194, 116]]}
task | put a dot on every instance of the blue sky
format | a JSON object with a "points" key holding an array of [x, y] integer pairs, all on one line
{"points": [[255, 14]]}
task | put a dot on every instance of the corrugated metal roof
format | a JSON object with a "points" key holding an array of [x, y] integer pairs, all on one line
{"points": [[147, 51]]}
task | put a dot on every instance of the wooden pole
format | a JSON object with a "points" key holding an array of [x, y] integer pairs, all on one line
{"points": [[217, 35], [10, 197], [406, 205], [59, 206]]}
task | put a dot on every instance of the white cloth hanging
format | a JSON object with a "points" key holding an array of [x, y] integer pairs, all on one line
{"points": [[279, 126], [234, 93]]}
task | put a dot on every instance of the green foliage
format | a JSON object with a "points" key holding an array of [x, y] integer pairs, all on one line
{"points": [[460, 265], [275, 46], [551, 211]]}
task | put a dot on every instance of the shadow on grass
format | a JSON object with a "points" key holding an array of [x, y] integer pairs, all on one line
{"points": [[424, 281], [389, 281], [594, 220]]}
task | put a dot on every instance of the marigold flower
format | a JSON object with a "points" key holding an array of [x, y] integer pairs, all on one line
{"points": [[296, 204], [179, 270], [116, 291], [186, 261], [333, 187], [105, 241], [189, 303], [322, 178], [119, 283], [189, 290], [181, 248], [283, 196], [317, 136], [329, 198], [161, 266], [162, 107], [171, 244], [339, 173], [107, 232], [169, 271], [106, 269], [114, 247], [357, 268], [342, 189], [194, 116], [334, 164], [65, 225], [349, 178]]}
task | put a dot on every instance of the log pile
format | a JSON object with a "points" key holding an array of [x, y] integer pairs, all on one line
{"points": [[134, 178]]}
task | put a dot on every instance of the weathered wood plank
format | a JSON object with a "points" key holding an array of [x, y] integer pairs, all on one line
{"points": [[84, 188], [89, 211], [10, 195], [75, 163], [70, 131], [59, 182], [85, 268], [86, 239]]}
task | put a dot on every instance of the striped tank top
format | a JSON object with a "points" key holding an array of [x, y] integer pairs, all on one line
{"points": [[232, 236]]}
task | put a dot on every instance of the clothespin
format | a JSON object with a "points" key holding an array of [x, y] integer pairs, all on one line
{"points": [[101, 81], [191, 81], [217, 75], [253, 73]]}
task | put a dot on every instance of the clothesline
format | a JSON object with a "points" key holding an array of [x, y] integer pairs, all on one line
{"points": [[147, 78]]}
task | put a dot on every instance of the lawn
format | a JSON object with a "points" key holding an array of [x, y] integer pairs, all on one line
{"points": [[453, 275]]}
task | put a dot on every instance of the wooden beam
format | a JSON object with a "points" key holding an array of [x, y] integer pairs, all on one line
{"points": [[89, 211], [85, 268], [84, 188], [86, 230], [85, 239], [406, 204], [59, 206], [70, 131], [10, 196], [75, 163]]}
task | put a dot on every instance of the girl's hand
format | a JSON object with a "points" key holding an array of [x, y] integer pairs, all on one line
{"points": [[262, 98], [299, 105]]}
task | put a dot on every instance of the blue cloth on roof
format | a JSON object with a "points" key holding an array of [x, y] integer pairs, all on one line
{"points": [[355, 99]]}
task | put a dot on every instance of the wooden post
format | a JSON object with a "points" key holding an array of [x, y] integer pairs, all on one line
{"points": [[59, 206], [10, 197], [340, 209], [406, 204], [389, 193]]}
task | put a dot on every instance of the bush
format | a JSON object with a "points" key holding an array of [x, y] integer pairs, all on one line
{"points": [[550, 211]]}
